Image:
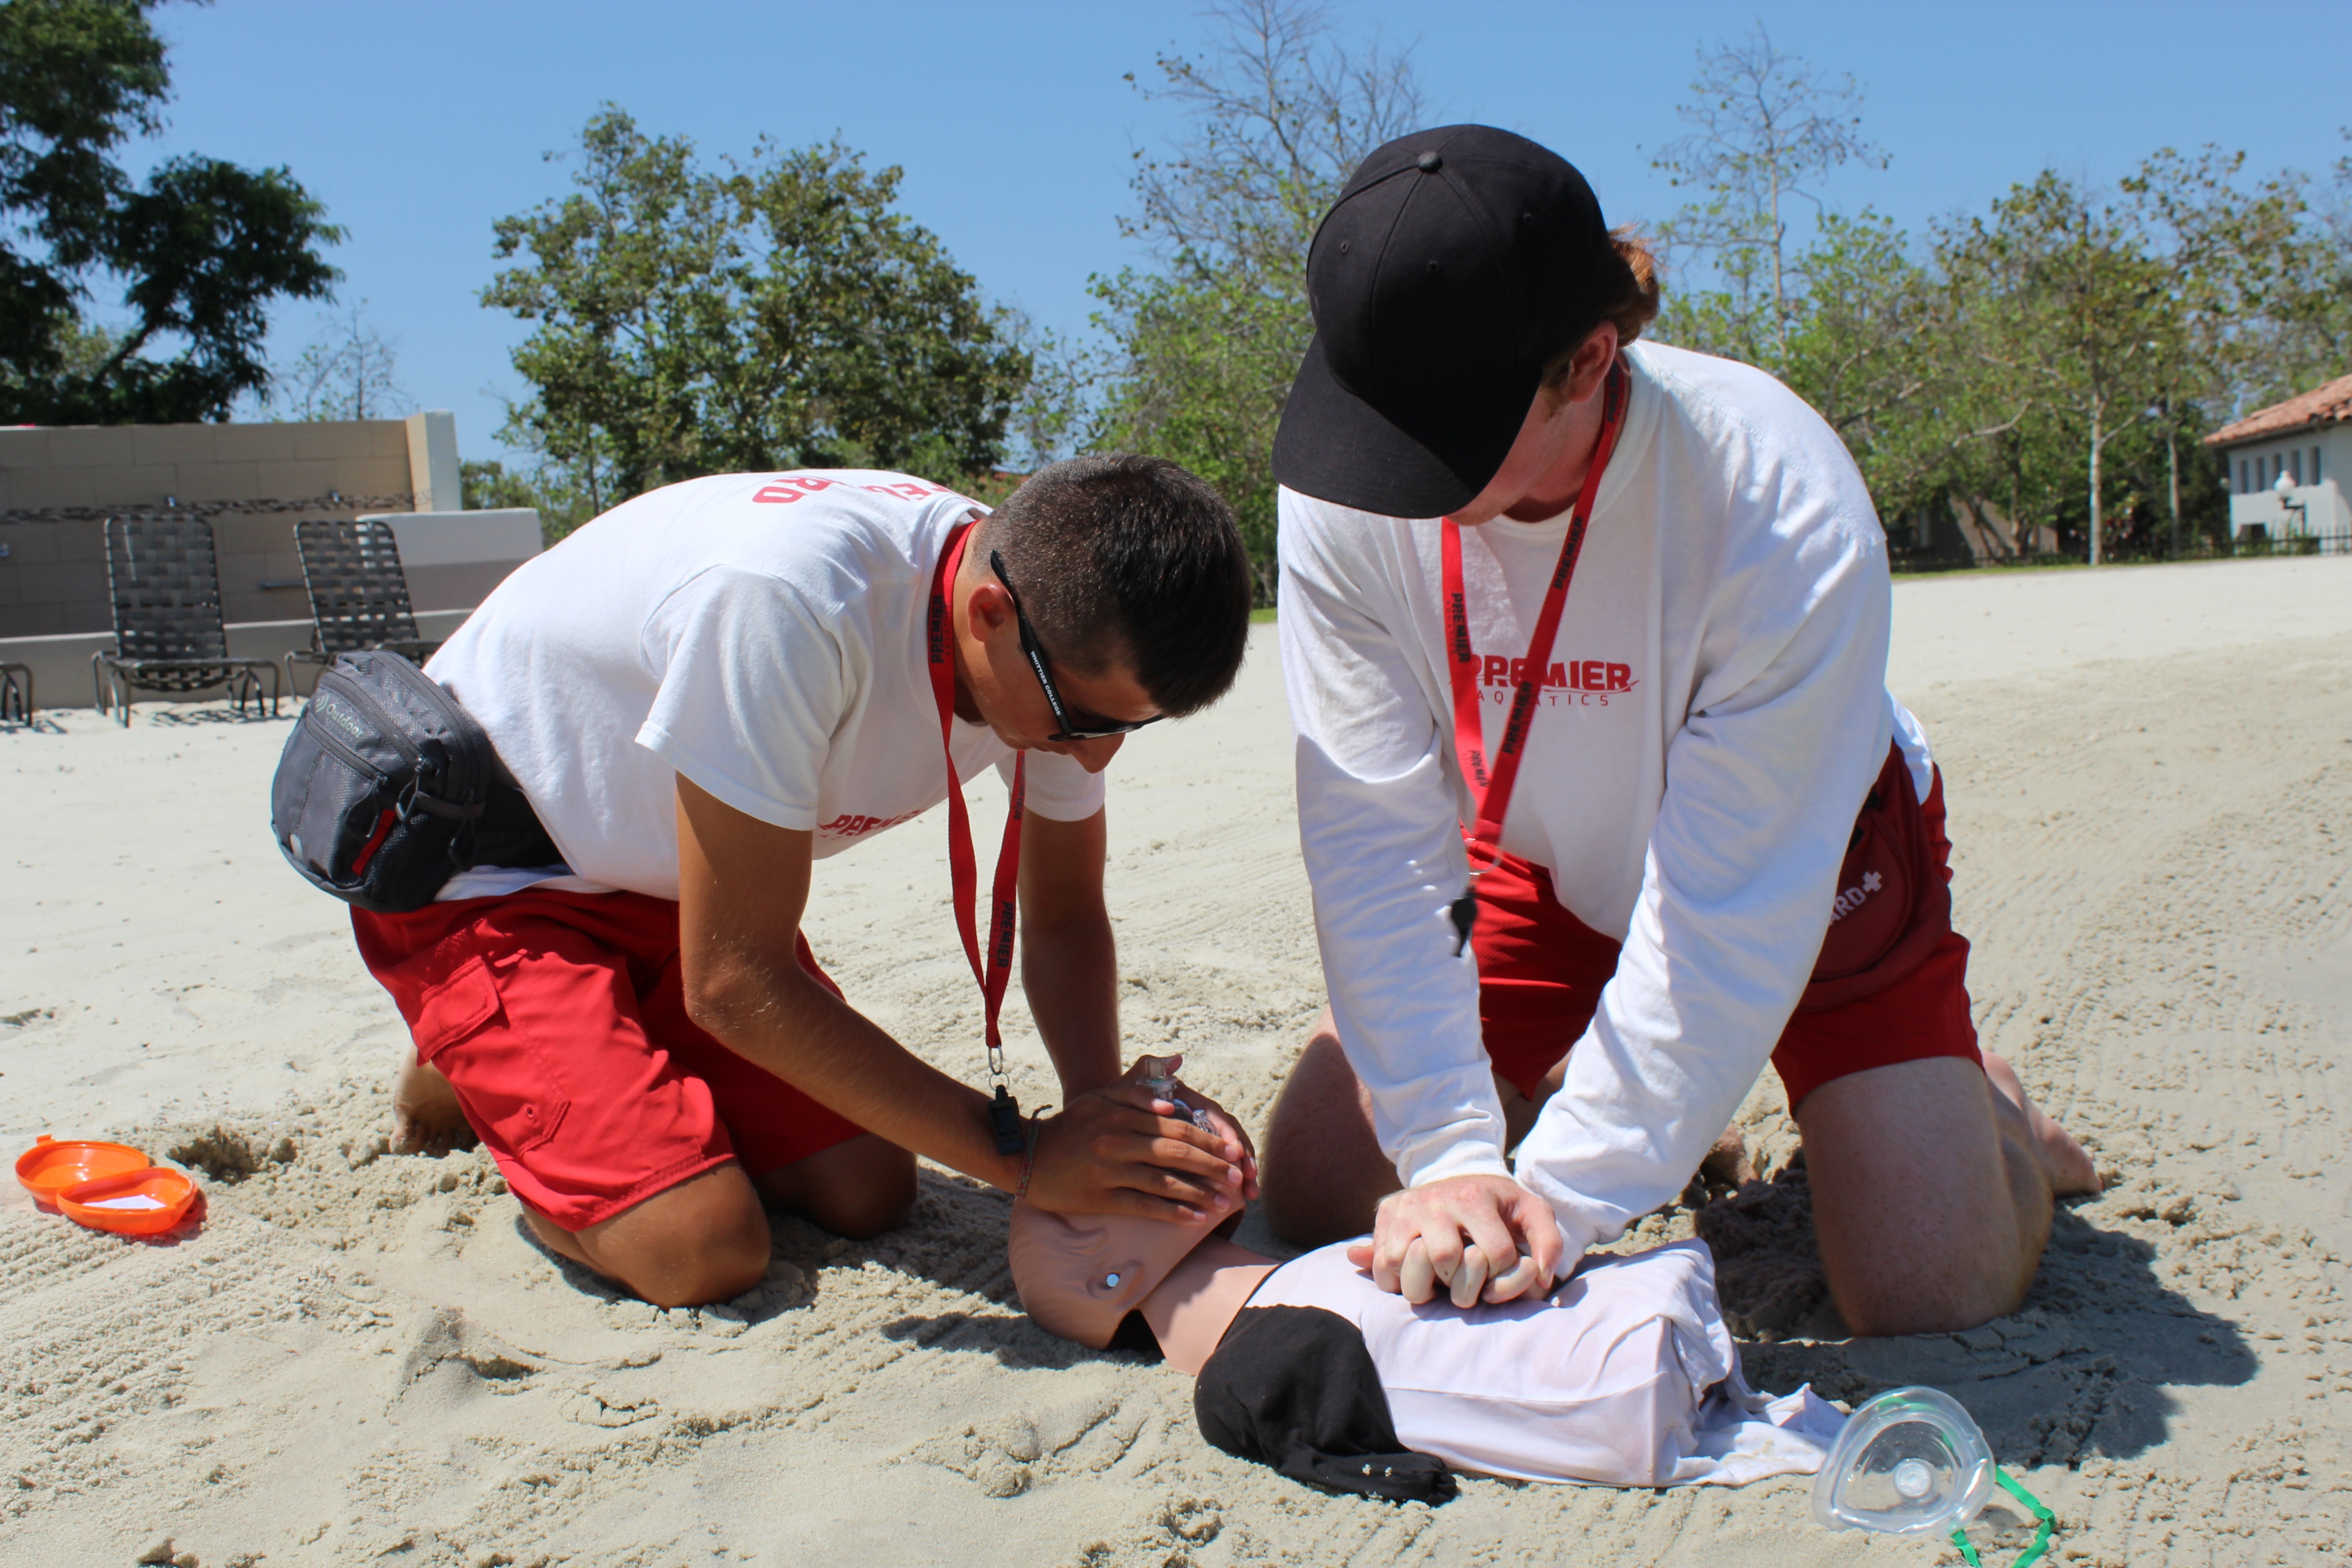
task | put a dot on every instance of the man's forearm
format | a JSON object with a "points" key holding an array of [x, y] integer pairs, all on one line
{"points": [[786, 1023], [1069, 973]]}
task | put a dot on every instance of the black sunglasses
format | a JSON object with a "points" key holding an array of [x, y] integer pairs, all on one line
{"points": [[1037, 662]]}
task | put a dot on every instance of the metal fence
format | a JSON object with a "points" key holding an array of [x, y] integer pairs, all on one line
{"points": [[2250, 544]]}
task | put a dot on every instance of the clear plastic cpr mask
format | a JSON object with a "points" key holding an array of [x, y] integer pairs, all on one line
{"points": [[1908, 1463], [1913, 1462]]}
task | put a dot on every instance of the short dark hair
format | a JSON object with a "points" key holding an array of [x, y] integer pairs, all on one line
{"points": [[1128, 557]]}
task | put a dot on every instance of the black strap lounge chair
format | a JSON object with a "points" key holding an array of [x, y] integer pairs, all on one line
{"points": [[164, 578], [358, 593], [17, 692]]}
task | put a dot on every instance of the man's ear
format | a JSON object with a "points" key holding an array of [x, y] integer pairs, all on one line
{"points": [[1590, 366], [990, 608]]}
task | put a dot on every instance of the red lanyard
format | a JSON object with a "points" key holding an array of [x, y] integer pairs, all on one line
{"points": [[1463, 663], [963, 868]]}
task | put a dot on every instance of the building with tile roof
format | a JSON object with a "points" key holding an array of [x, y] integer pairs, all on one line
{"points": [[2286, 466]]}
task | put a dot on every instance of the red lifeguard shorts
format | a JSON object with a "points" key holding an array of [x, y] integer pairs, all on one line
{"points": [[1540, 971], [559, 1019]]}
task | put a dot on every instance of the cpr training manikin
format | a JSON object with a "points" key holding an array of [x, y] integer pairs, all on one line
{"points": [[1625, 1375]]}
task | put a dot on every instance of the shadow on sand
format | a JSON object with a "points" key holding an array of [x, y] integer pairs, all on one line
{"points": [[954, 1238], [2084, 1368]]}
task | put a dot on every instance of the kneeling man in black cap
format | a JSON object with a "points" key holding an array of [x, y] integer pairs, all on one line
{"points": [[1602, 795]]}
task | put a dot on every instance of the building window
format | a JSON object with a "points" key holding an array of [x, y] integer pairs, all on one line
{"points": [[2296, 460], [2314, 465]]}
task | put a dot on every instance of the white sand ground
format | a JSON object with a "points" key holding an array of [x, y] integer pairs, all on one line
{"points": [[360, 1356]]}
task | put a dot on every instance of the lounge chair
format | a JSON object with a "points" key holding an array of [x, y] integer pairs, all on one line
{"points": [[358, 593], [164, 581], [17, 692]]}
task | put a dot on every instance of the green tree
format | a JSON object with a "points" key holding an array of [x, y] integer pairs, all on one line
{"points": [[2303, 336], [1766, 128], [202, 248], [1203, 348], [547, 489], [772, 314], [1847, 319], [2232, 257], [2061, 356], [2083, 315]]}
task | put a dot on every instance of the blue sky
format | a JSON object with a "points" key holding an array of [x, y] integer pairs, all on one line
{"points": [[418, 125]]}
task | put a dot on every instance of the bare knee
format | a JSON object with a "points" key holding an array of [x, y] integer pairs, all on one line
{"points": [[425, 1113], [1321, 1172], [1875, 1306], [718, 1269], [703, 1241], [1930, 1211], [856, 1189], [859, 1213]]}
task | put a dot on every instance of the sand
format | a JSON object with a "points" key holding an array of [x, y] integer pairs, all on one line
{"points": [[359, 1356]]}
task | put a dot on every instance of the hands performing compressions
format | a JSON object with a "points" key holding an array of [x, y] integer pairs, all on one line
{"points": [[1454, 1232], [1148, 1144]]}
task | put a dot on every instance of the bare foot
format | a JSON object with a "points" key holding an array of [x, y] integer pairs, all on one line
{"points": [[2066, 1163], [424, 1109], [1727, 1164]]}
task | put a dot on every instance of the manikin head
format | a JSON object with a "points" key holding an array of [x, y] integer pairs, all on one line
{"points": [[1081, 1276]]}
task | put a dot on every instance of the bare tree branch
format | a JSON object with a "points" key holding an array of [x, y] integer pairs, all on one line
{"points": [[347, 372], [1766, 126]]}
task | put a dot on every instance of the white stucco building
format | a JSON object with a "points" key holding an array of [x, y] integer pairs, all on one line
{"points": [[2307, 441]]}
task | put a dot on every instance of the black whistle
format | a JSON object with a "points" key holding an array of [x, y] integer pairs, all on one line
{"points": [[1004, 1118], [1464, 911]]}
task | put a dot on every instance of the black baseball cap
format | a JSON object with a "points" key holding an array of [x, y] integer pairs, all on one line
{"points": [[1454, 266]]}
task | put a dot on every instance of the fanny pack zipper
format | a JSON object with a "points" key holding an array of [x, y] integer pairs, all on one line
{"points": [[351, 691], [326, 736]]}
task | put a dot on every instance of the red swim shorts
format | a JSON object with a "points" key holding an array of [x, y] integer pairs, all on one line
{"points": [[1540, 971], [559, 1019]]}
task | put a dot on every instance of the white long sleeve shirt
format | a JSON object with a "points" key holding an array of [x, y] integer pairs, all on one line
{"points": [[1714, 714]]}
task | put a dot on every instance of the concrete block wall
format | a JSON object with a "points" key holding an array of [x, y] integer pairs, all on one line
{"points": [[57, 487], [252, 483], [148, 466], [434, 476], [453, 559], [53, 578]]}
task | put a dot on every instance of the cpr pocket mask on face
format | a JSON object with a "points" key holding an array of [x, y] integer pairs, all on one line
{"points": [[1163, 1082], [1912, 1462]]}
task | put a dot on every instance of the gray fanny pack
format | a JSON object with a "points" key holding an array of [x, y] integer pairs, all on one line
{"points": [[388, 788]]}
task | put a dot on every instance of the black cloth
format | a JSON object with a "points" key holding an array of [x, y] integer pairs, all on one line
{"points": [[1295, 1387], [510, 833]]}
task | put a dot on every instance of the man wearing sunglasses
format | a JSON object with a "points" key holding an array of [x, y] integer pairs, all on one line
{"points": [[703, 693], [1086, 726]]}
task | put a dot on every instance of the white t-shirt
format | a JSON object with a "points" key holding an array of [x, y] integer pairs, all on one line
{"points": [[1691, 778], [1624, 1376], [763, 635]]}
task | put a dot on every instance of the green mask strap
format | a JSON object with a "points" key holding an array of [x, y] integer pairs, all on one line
{"points": [[2041, 1534]]}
